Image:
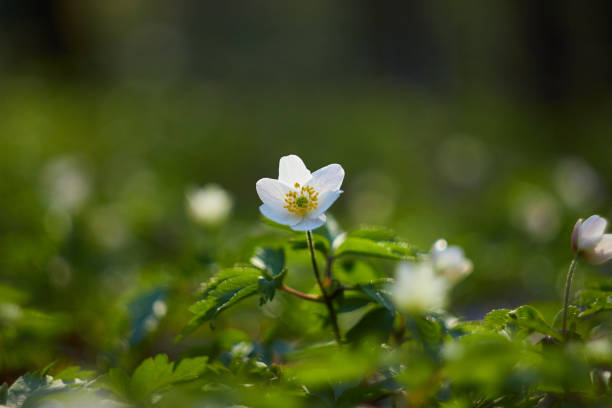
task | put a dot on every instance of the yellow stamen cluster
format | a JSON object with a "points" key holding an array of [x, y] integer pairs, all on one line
{"points": [[301, 201]]}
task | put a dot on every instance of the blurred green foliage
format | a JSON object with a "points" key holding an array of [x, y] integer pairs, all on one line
{"points": [[101, 259]]}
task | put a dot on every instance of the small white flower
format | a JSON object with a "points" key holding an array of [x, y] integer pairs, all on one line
{"points": [[450, 261], [66, 184], [299, 198], [209, 205], [589, 240], [417, 288]]}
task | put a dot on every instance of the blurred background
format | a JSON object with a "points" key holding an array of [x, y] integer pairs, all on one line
{"points": [[132, 134]]}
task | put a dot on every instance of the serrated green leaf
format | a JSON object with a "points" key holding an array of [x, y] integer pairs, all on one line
{"points": [[530, 318], [271, 260], [156, 373], [381, 249], [593, 301], [497, 318], [229, 287]]}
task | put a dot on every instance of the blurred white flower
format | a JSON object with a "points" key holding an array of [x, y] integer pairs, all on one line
{"points": [[537, 213], [66, 185], [299, 198], [417, 288], [577, 183], [589, 240], [450, 261], [209, 205]]}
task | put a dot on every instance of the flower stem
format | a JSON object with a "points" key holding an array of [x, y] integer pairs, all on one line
{"points": [[302, 295], [326, 299], [568, 284]]}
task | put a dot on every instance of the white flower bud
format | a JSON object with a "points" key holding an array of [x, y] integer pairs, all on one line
{"points": [[589, 240], [450, 261]]}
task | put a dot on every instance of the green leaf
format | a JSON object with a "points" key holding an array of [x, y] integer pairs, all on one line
{"points": [[156, 373], [528, 317], [593, 301], [324, 364], [572, 316], [374, 233], [144, 311], [378, 291], [497, 318], [226, 289], [376, 242], [266, 289], [271, 260], [117, 381], [320, 242], [376, 324], [353, 271]]}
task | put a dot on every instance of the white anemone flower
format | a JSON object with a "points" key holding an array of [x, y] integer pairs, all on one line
{"points": [[299, 198], [418, 289], [589, 240], [209, 205], [450, 261]]}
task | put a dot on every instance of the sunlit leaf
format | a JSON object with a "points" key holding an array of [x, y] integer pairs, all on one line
{"points": [[229, 287], [375, 242], [530, 318], [271, 260], [497, 318]]}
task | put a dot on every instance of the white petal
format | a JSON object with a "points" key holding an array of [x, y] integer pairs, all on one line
{"points": [[451, 258], [602, 252], [327, 178], [576, 234], [291, 170], [590, 232], [281, 216], [309, 224], [437, 248], [325, 201], [272, 193]]}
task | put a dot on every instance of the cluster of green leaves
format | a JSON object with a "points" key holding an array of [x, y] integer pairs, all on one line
{"points": [[512, 357], [267, 269]]}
